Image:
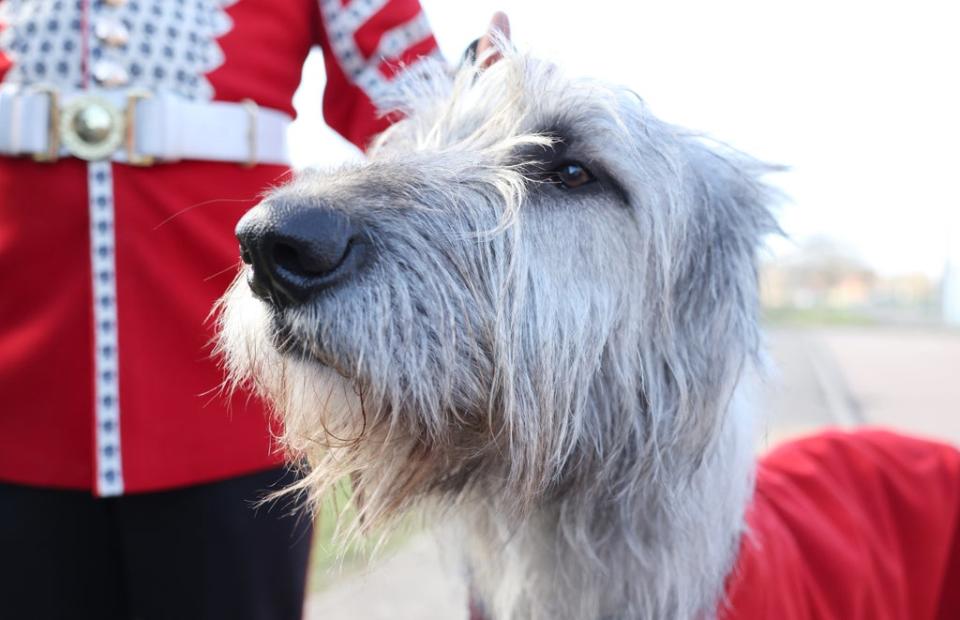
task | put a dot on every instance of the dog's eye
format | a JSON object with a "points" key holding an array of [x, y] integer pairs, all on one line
{"points": [[572, 175]]}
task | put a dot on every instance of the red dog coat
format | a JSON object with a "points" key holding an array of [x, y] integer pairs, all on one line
{"points": [[852, 526]]}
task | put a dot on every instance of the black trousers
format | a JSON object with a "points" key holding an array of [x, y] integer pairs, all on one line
{"points": [[202, 552]]}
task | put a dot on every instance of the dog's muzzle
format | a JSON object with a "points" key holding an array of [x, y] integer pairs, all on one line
{"points": [[297, 251]]}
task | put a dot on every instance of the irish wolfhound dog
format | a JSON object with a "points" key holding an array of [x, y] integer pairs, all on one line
{"points": [[535, 307]]}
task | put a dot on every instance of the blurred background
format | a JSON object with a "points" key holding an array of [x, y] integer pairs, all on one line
{"points": [[861, 297]]}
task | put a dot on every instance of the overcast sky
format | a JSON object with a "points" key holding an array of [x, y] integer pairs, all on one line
{"points": [[860, 99]]}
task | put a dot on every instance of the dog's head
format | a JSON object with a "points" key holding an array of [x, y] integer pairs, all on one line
{"points": [[533, 285]]}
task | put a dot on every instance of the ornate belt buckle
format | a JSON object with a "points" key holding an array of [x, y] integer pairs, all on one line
{"points": [[91, 127]]}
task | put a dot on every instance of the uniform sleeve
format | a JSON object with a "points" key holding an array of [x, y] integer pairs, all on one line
{"points": [[367, 44]]}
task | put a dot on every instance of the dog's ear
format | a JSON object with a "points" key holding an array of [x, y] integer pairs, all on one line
{"points": [[712, 302], [727, 215]]}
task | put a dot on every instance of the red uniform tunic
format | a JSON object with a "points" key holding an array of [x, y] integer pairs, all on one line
{"points": [[108, 272], [852, 526]]}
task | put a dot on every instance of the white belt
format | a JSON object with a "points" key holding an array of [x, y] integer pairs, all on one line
{"points": [[137, 127]]}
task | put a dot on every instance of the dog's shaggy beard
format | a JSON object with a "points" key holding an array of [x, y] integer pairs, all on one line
{"points": [[585, 417], [391, 383]]}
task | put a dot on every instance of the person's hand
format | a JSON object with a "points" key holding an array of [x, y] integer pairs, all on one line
{"points": [[499, 23]]}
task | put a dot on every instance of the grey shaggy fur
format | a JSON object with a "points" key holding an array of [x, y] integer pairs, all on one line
{"points": [[563, 373]]}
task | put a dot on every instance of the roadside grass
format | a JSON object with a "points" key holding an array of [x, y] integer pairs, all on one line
{"points": [[816, 316]]}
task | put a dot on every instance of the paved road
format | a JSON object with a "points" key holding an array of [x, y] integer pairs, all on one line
{"points": [[415, 583], [904, 378], [795, 400]]}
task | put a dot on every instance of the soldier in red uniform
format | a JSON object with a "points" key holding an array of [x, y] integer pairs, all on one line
{"points": [[133, 135]]}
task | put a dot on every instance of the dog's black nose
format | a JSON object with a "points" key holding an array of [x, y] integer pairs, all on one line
{"points": [[297, 251]]}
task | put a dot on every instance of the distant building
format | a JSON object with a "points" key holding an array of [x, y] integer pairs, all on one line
{"points": [[823, 275], [819, 274]]}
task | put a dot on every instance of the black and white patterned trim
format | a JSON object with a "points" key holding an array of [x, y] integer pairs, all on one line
{"points": [[160, 45], [109, 470], [342, 24], [44, 39], [172, 43]]}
